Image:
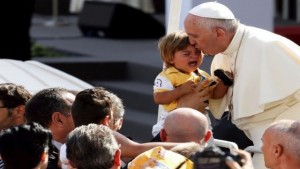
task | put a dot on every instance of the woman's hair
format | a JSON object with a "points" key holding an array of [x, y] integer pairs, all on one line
{"points": [[170, 44]]}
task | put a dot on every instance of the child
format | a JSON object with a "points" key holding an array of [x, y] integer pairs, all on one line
{"points": [[180, 76]]}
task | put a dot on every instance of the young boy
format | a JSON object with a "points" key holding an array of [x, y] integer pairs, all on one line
{"points": [[180, 76]]}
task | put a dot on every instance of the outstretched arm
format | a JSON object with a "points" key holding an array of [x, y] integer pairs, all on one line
{"points": [[131, 149]]}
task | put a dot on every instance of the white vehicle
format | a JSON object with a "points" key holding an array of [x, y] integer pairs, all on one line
{"points": [[35, 76]]}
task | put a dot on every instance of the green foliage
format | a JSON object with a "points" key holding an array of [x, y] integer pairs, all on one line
{"points": [[41, 51]]}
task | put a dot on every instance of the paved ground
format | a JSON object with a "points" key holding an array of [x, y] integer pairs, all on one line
{"points": [[67, 37]]}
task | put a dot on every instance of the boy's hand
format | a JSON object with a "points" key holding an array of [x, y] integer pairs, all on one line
{"points": [[195, 100], [209, 82], [187, 87]]}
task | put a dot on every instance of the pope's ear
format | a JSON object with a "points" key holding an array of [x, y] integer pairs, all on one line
{"points": [[220, 32], [278, 150]]}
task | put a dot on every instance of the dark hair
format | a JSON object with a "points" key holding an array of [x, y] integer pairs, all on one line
{"points": [[44, 103], [23, 146], [91, 106], [13, 95]]}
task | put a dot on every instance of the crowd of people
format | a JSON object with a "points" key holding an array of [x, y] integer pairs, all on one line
{"points": [[76, 122], [59, 128]]}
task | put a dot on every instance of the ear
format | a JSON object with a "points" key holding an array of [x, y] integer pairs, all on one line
{"points": [[44, 156], [120, 124], [171, 62], [220, 32], [20, 111], [105, 121], [163, 135], [278, 150], [207, 136], [56, 119], [117, 158]]}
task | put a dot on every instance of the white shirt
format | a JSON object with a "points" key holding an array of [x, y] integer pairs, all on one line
{"points": [[57, 144], [63, 157]]}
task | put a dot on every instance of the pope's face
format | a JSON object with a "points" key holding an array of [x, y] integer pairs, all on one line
{"points": [[202, 38]]}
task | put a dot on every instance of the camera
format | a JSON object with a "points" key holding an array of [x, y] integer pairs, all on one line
{"points": [[214, 158], [224, 76]]}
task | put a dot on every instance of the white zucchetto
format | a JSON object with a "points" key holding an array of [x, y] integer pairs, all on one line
{"points": [[212, 10]]}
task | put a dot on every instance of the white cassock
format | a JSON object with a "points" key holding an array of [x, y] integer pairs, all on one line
{"points": [[266, 86]]}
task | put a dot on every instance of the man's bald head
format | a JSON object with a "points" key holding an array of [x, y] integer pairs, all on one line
{"points": [[281, 144], [184, 125]]}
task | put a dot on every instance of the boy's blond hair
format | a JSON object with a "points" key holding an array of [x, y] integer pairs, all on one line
{"points": [[171, 43]]}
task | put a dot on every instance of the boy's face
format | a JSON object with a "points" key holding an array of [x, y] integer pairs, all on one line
{"points": [[187, 60]]}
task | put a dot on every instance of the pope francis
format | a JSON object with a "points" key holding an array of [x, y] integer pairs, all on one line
{"points": [[266, 69]]}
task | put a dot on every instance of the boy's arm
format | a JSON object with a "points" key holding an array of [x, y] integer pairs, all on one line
{"points": [[167, 97]]}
